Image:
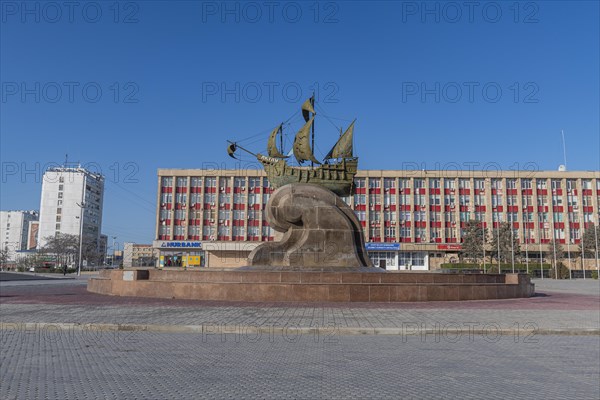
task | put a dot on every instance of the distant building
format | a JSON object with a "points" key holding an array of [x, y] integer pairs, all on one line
{"points": [[64, 189], [14, 230], [139, 255]]}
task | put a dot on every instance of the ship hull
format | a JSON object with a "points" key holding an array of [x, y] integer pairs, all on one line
{"points": [[337, 177]]}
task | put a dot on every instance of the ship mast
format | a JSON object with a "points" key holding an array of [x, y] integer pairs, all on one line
{"points": [[281, 136], [312, 103]]}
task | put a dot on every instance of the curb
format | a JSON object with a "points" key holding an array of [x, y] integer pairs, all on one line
{"points": [[213, 329]]}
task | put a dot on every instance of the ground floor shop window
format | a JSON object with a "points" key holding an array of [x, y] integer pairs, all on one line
{"points": [[182, 259], [384, 259], [413, 260]]}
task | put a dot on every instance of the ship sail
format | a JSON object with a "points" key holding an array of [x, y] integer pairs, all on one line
{"points": [[302, 150], [272, 144], [308, 108], [343, 147]]}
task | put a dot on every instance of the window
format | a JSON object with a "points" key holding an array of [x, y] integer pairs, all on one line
{"points": [[61, 179], [511, 183], [464, 184], [60, 195], [496, 183], [167, 181], [181, 182], [389, 183], [555, 183], [374, 199], [449, 184], [434, 183], [479, 184], [359, 199], [525, 183], [361, 215], [404, 183], [59, 210], [359, 183], [419, 183], [196, 182], [253, 183], [374, 183], [58, 227], [541, 183]]}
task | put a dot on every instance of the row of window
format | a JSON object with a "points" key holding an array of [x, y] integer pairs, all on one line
{"points": [[401, 183]]}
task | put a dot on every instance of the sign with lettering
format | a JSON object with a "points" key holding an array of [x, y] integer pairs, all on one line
{"points": [[382, 246], [449, 247], [176, 244]]}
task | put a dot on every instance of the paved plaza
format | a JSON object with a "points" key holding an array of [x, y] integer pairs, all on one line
{"points": [[59, 341]]}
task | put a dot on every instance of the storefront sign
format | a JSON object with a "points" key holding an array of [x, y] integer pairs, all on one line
{"points": [[382, 246], [449, 247], [178, 245]]}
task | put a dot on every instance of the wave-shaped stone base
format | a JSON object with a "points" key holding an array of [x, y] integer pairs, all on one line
{"points": [[320, 230]]}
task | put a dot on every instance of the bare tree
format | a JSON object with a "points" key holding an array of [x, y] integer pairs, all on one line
{"points": [[473, 240], [588, 241], [506, 249], [63, 246], [3, 258]]}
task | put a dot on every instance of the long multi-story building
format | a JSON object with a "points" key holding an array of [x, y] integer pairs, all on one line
{"points": [[411, 219], [64, 191], [15, 231]]}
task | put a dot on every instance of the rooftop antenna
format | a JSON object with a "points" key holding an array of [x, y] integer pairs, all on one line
{"points": [[564, 148], [66, 160]]}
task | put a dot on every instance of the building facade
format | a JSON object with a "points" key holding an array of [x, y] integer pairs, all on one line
{"points": [[15, 230], [140, 255], [411, 219], [64, 190]]}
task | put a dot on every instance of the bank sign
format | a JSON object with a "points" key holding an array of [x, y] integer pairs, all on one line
{"points": [[382, 246], [176, 244]]}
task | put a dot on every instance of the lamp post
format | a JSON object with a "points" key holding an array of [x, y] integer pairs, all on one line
{"points": [[512, 242], [581, 245], [596, 236], [112, 261], [82, 207], [483, 233], [526, 219], [498, 236]]}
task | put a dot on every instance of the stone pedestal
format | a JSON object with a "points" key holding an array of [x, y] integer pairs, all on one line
{"points": [[319, 231]]}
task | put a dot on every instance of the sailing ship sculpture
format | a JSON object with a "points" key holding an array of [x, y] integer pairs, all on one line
{"points": [[335, 173]]}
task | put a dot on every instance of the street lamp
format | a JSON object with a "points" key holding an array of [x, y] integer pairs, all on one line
{"points": [[82, 207], [112, 261]]}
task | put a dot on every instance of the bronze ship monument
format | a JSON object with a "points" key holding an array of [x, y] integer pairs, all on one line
{"points": [[335, 173]]}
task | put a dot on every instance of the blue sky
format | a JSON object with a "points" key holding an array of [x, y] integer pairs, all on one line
{"points": [[130, 87]]}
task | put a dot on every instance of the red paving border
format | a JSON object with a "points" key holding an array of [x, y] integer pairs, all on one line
{"points": [[78, 295]]}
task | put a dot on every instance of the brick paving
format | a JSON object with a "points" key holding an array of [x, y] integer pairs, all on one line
{"points": [[439, 350], [175, 366]]}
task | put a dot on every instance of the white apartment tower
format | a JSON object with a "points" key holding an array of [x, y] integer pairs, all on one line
{"points": [[64, 190], [14, 230]]}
